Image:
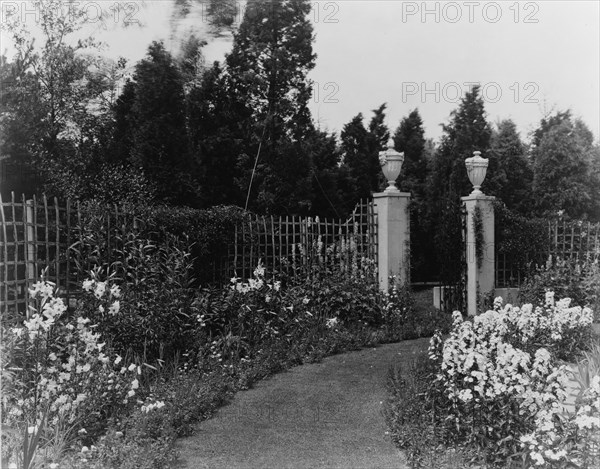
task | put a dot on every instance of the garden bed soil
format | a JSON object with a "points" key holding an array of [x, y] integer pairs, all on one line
{"points": [[322, 415]]}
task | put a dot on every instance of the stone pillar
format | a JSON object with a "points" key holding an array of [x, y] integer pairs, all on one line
{"points": [[480, 269], [393, 236]]}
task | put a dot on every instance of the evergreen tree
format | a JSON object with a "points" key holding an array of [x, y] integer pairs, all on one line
{"points": [[409, 138], [267, 70], [271, 57], [355, 151], [360, 148], [122, 143], [157, 123], [563, 171], [213, 128], [468, 131], [379, 136], [548, 122], [329, 179], [510, 174]]}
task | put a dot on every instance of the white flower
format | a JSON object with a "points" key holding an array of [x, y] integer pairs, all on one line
{"points": [[115, 291], [84, 449], [114, 308], [537, 457], [135, 384], [585, 421], [465, 395], [331, 323], [100, 289], [87, 285], [259, 272], [118, 360]]}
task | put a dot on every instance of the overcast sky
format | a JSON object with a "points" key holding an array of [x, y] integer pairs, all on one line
{"points": [[529, 57]]}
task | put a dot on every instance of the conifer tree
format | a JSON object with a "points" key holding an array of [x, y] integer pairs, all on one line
{"points": [[563, 169], [212, 129], [510, 174], [157, 122], [468, 131], [360, 149], [267, 71], [409, 138], [355, 150]]}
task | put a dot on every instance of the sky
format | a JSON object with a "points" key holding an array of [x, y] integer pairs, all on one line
{"points": [[530, 58]]}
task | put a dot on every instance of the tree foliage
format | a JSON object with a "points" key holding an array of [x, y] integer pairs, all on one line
{"points": [[564, 168], [267, 78], [409, 138], [360, 148], [155, 136], [510, 174], [56, 100], [467, 131]]}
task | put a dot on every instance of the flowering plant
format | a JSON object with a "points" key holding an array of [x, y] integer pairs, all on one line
{"points": [[60, 375], [500, 375], [573, 438]]}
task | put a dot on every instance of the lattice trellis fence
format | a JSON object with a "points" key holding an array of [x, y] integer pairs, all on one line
{"points": [[296, 246], [43, 235], [574, 239]]}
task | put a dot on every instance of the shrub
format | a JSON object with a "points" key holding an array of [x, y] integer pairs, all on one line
{"points": [[523, 240], [411, 412], [155, 319], [350, 299], [405, 321], [208, 232], [104, 234], [570, 278]]}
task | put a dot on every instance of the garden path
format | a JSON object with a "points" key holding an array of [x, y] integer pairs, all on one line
{"points": [[321, 415]]}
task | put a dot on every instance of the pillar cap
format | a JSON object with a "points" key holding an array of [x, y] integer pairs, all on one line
{"points": [[478, 197], [381, 195]]}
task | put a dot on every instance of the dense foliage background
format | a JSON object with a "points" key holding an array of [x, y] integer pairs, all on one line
{"points": [[173, 129]]}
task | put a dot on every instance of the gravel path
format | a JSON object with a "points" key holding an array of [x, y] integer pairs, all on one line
{"points": [[322, 415]]}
